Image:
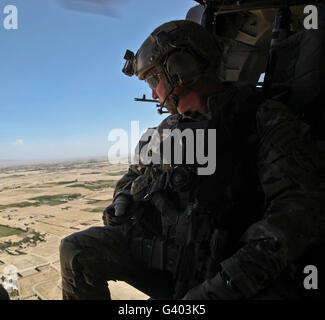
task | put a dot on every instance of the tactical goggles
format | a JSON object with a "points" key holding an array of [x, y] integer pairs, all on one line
{"points": [[153, 80]]}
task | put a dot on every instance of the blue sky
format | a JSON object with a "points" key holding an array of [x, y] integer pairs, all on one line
{"points": [[62, 89]]}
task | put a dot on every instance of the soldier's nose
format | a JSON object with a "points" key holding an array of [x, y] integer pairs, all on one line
{"points": [[154, 94]]}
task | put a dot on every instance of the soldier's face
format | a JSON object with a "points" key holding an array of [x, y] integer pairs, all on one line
{"points": [[191, 102], [160, 92]]}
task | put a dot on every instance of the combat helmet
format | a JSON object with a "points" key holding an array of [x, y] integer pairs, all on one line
{"points": [[181, 51]]}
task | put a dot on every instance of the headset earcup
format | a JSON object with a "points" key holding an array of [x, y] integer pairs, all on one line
{"points": [[184, 68]]}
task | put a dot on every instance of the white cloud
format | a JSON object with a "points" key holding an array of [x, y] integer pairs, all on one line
{"points": [[18, 142]]}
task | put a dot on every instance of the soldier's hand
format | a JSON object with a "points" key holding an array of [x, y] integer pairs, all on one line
{"points": [[216, 288], [120, 205], [115, 214]]}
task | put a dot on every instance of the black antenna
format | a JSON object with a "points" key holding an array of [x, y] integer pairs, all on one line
{"points": [[143, 99], [159, 106]]}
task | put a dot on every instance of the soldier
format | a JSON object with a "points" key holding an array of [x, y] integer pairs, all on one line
{"points": [[3, 293], [242, 232]]}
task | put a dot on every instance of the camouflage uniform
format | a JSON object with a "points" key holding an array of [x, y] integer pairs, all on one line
{"points": [[267, 194]]}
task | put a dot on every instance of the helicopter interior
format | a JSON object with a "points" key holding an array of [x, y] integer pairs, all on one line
{"points": [[268, 38]]}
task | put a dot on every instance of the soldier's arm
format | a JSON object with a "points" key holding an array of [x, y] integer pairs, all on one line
{"points": [[123, 186], [294, 219]]}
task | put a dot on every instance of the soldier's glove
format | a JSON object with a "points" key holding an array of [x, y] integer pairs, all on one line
{"points": [[116, 214], [216, 288]]}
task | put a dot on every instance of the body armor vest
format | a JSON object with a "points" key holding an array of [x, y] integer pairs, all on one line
{"points": [[200, 214]]}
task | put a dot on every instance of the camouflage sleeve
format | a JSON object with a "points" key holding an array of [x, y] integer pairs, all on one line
{"points": [[293, 221], [123, 186]]}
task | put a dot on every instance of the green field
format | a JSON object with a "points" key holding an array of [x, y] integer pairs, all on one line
{"points": [[93, 201], [120, 173], [56, 199], [19, 205], [86, 173], [96, 210], [95, 186], [98, 201], [7, 231], [66, 182], [35, 236], [44, 200]]}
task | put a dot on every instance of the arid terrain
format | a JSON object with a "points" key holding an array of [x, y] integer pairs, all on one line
{"points": [[41, 204]]}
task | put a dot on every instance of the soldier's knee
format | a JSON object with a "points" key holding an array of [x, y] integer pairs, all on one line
{"points": [[69, 251], [79, 242]]}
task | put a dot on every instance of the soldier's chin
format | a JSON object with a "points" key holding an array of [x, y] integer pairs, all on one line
{"points": [[181, 110]]}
